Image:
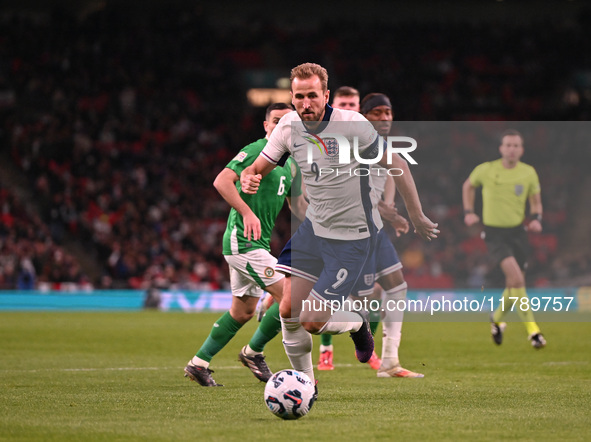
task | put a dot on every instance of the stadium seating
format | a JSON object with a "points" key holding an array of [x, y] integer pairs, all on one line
{"points": [[121, 128]]}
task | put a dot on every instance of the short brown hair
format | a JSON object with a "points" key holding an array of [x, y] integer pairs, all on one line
{"points": [[308, 70], [510, 133], [345, 91]]}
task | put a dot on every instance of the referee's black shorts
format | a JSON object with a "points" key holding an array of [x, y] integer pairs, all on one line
{"points": [[504, 242]]}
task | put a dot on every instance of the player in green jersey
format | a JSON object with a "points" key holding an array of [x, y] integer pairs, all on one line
{"points": [[507, 185], [249, 259]]}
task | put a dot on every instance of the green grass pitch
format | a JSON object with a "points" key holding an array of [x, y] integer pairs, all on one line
{"points": [[119, 376]]}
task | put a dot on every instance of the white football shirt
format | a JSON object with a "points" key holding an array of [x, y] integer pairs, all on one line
{"points": [[343, 204], [379, 176]]}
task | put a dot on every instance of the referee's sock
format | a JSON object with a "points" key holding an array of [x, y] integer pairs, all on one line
{"points": [[527, 316], [499, 313]]}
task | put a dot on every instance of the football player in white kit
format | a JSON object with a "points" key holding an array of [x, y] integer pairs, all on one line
{"points": [[377, 108], [332, 252]]}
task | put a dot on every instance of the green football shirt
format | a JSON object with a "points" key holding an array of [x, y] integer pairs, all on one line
{"points": [[266, 203], [504, 191]]}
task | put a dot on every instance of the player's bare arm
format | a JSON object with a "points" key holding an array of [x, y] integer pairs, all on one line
{"points": [[405, 184], [390, 214], [388, 211], [250, 178], [225, 184], [298, 206], [389, 193], [468, 197]]}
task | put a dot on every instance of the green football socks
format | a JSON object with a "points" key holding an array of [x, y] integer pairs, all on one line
{"points": [[223, 330], [374, 320], [326, 340], [269, 327]]}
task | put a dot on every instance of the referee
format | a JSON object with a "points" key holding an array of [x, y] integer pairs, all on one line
{"points": [[507, 184]]}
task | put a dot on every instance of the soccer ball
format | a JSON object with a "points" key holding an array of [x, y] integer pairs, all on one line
{"points": [[289, 394]]}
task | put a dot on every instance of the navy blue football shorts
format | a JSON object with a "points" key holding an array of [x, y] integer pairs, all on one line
{"points": [[337, 267]]}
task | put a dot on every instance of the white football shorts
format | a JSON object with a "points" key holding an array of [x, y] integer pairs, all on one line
{"points": [[251, 272]]}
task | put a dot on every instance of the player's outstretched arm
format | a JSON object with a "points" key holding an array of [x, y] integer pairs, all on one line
{"points": [[389, 194], [405, 184], [388, 211], [225, 184], [390, 214], [250, 178]]}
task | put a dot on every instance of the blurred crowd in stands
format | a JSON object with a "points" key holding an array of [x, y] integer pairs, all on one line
{"points": [[121, 126], [29, 257]]}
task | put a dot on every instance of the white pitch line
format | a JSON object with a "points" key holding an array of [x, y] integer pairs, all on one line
{"points": [[240, 367], [90, 369], [566, 363], [519, 364], [229, 367]]}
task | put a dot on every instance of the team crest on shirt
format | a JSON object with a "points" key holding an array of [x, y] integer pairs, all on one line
{"points": [[369, 278], [241, 156], [518, 189], [332, 146], [269, 272], [294, 170]]}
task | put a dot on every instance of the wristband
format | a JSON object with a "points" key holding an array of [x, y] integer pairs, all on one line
{"points": [[467, 211], [537, 216]]}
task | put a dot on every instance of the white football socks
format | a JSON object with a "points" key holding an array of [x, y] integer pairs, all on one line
{"points": [[392, 324], [298, 346], [198, 362], [250, 352], [342, 321]]}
